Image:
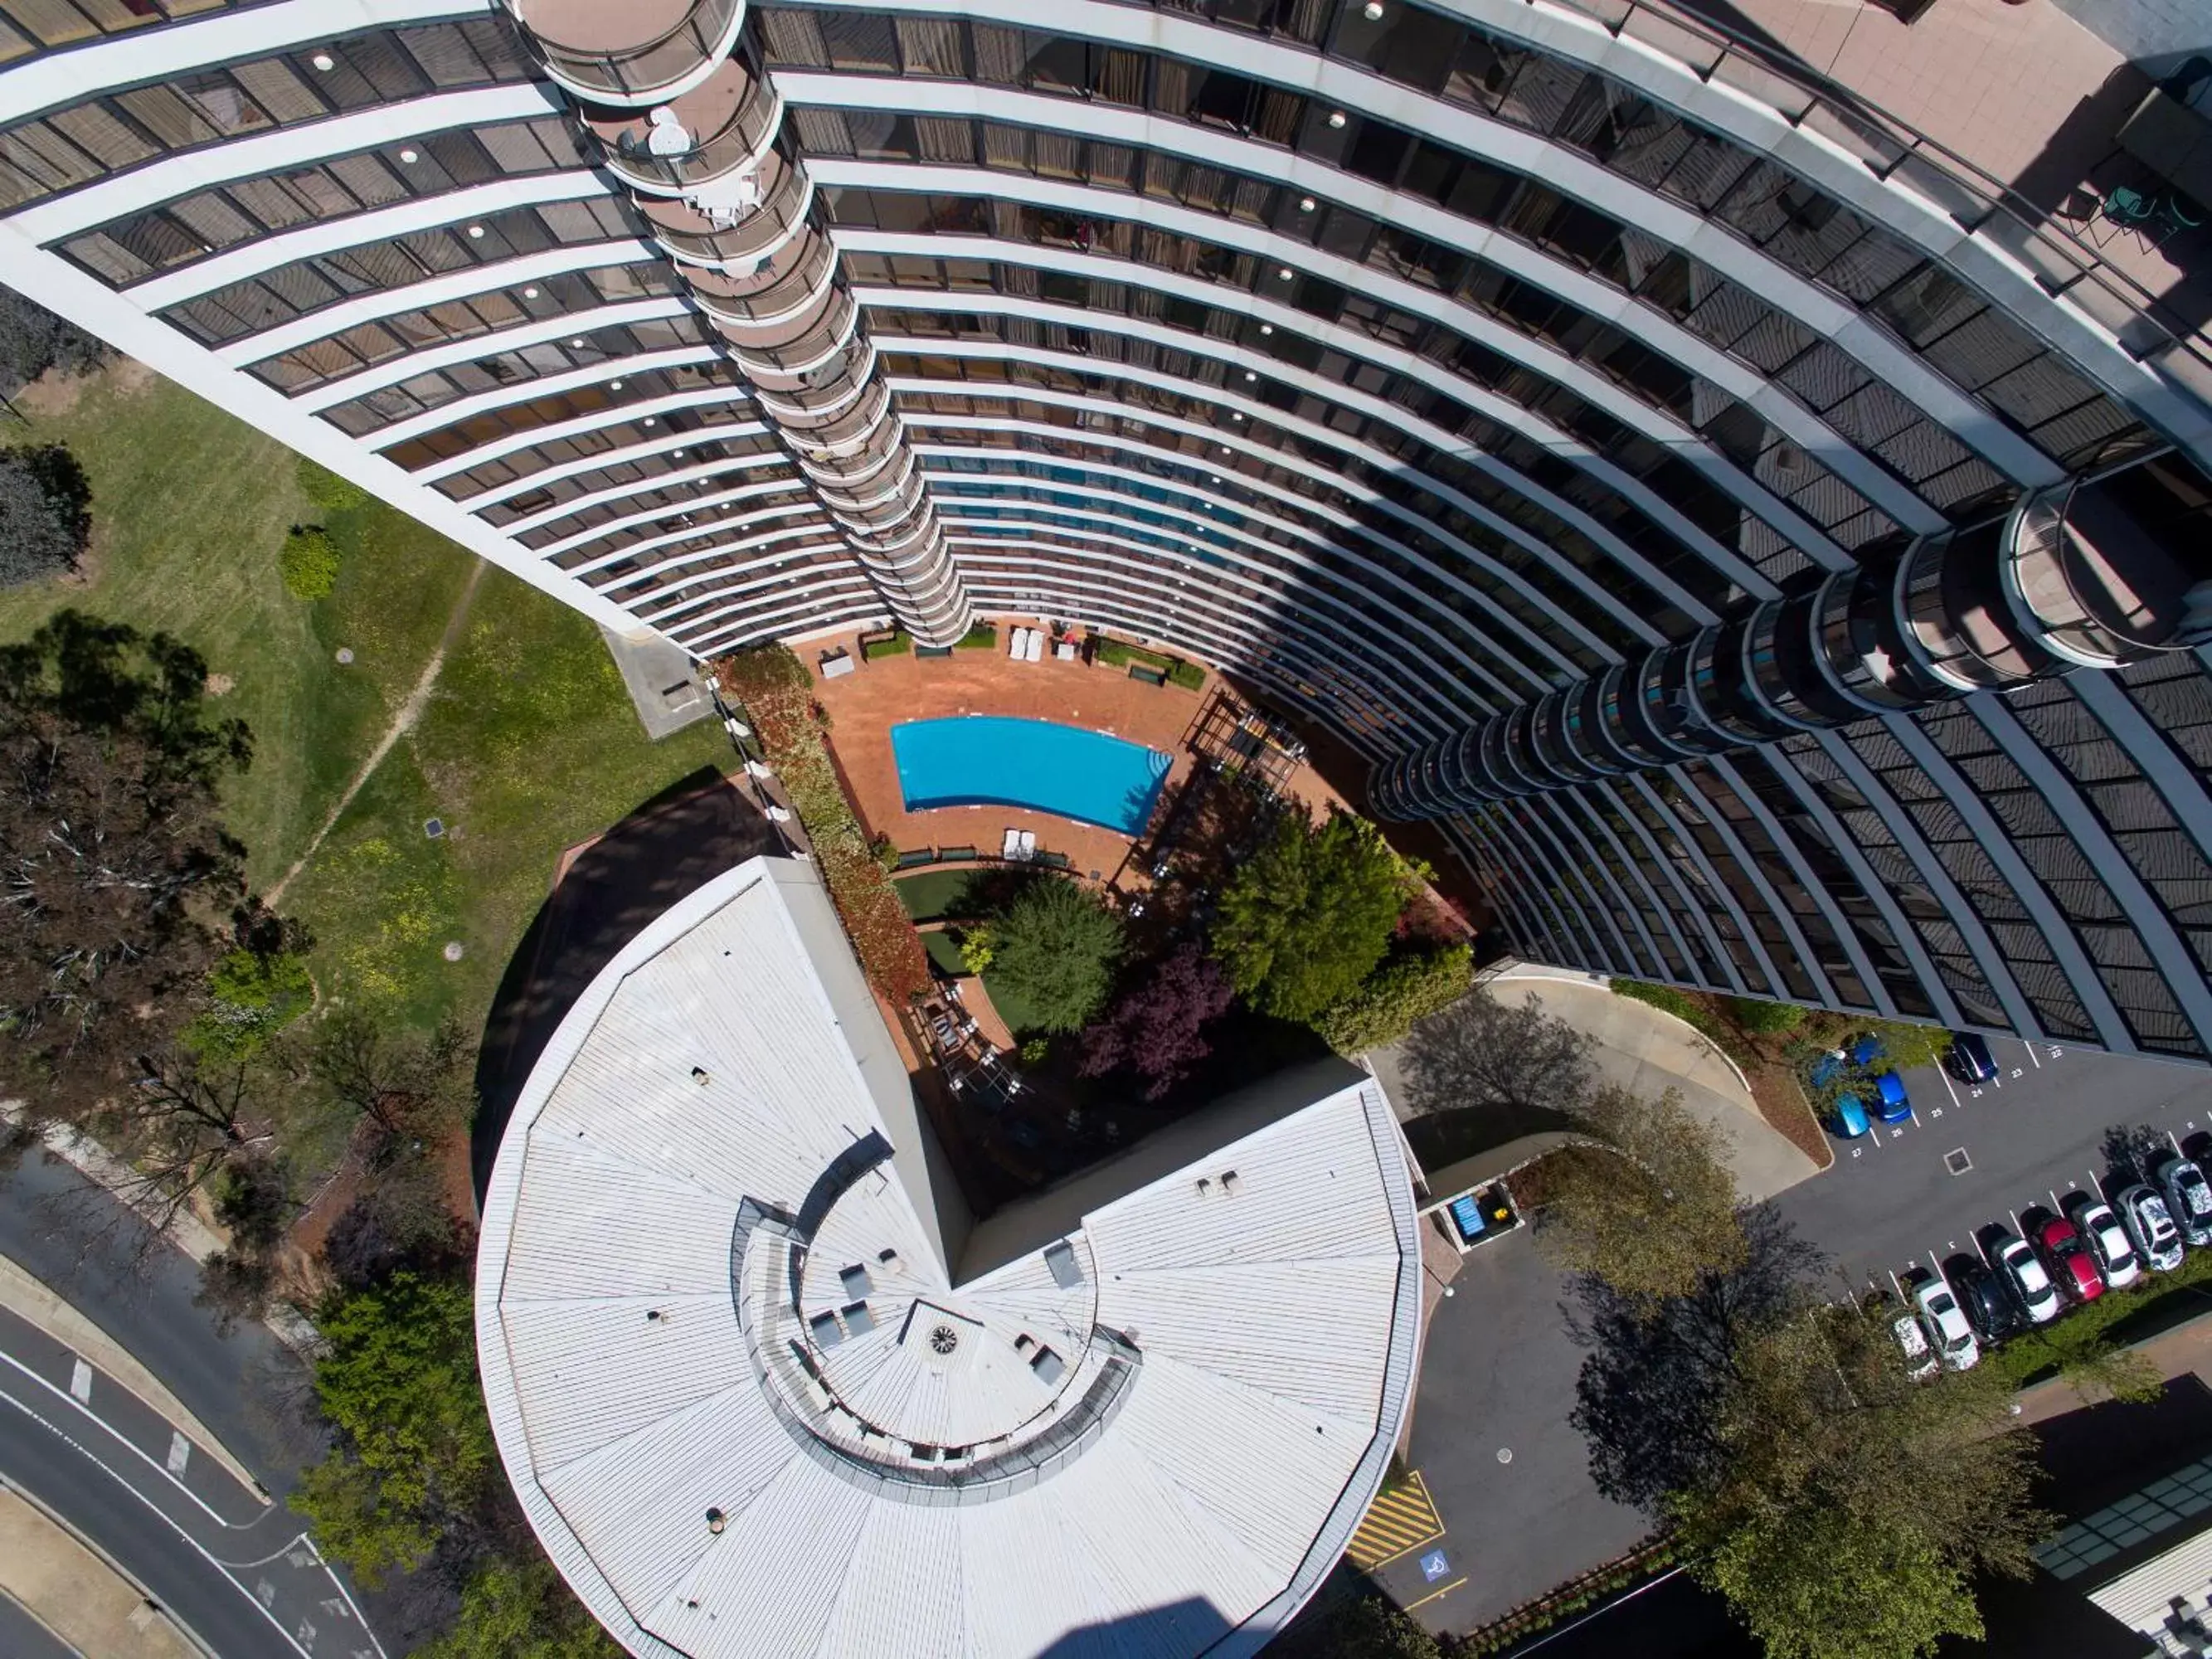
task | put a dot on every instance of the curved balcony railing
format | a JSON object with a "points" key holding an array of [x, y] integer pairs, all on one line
{"points": [[787, 193], [635, 52], [2066, 264], [719, 127], [2105, 570], [829, 341]]}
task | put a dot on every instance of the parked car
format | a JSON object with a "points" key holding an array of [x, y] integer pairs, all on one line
{"points": [[1969, 1060], [1912, 1340], [2188, 1199], [2151, 1226], [1891, 1101], [1866, 1050], [1947, 1329], [2030, 1287], [2108, 1241], [1827, 1068], [1990, 1307], [1848, 1119], [2068, 1260]]}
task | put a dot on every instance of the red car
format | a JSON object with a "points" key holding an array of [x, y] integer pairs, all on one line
{"points": [[2068, 1259]]}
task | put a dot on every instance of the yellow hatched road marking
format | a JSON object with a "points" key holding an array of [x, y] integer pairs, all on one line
{"points": [[1400, 1520]]}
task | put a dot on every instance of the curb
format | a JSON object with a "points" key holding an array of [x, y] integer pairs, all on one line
{"points": [[190, 1637]]}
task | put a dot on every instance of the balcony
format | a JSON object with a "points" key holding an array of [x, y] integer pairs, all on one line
{"points": [[789, 283], [809, 344], [2107, 573], [757, 214], [723, 125], [639, 51]]}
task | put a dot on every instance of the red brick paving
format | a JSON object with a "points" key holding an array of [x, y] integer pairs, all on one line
{"points": [[867, 703]]}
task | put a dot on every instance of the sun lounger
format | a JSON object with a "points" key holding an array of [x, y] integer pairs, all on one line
{"points": [[1035, 649], [1015, 641], [1012, 849], [1029, 844]]}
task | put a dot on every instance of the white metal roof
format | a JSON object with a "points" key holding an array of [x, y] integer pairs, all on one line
{"points": [[1151, 1431]]}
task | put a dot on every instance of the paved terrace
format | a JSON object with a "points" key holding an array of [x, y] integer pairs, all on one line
{"points": [[867, 703], [2021, 92]]}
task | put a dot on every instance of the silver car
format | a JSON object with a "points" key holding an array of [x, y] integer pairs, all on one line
{"points": [[2143, 1213], [2108, 1242], [2188, 1199], [2031, 1286]]}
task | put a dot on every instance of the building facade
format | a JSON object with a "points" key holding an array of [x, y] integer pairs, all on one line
{"points": [[1770, 559]]}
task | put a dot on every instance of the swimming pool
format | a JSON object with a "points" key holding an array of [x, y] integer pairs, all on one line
{"points": [[986, 760]]}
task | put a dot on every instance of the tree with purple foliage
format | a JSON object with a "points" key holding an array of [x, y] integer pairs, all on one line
{"points": [[1155, 1030]]}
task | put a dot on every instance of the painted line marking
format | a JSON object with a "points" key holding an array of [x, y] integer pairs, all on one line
{"points": [[180, 1451], [2030, 1046], [1435, 1594], [80, 1382], [1948, 1089]]}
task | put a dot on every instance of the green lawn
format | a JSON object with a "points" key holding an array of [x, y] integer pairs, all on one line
{"points": [[529, 743], [935, 895], [944, 952], [1013, 1008]]}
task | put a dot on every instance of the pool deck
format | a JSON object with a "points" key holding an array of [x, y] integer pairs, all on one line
{"points": [[867, 703]]}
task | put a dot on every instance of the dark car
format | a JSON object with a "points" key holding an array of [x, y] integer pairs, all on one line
{"points": [[1969, 1060], [1990, 1308]]}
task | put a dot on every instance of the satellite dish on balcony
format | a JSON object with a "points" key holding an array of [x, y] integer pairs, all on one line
{"points": [[667, 135]]}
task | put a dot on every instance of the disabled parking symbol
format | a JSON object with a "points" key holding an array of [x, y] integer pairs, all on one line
{"points": [[1434, 1565]]}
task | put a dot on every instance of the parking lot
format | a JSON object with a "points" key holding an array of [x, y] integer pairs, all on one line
{"points": [[1906, 1196], [1508, 1475]]}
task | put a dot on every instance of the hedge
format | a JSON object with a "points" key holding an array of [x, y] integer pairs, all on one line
{"points": [[1188, 675], [898, 645], [1117, 653], [774, 688], [1402, 991]]}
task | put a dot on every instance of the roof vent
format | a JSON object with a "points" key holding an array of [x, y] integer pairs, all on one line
{"points": [[699, 1074], [1060, 1260], [828, 1333], [859, 1320], [1205, 1186], [715, 1521], [1231, 1186], [1048, 1366], [887, 1259], [944, 1340], [1025, 1342], [856, 1282]]}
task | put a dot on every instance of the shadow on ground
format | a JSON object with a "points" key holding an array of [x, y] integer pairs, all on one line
{"points": [[666, 848]]}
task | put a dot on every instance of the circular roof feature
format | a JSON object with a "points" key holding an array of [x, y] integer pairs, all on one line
{"points": [[723, 1273]]}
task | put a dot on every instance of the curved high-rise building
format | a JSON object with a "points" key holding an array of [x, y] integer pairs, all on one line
{"points": [[1771, 551]]}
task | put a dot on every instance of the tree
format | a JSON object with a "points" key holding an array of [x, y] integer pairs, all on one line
{"points": [[397, 1382], [1649, 1397], [520, 1610], [254, 1202], [257, 988], [1397, 996], [185, 1125], [110, 854], [1054, 947], [1485, 1052], [1653, 1209], [45, 516], [406, 1091], [1309, 916], [1854, 1506], [1361, 1626], [401, 1223], [34, 340], [1156, 1030]]}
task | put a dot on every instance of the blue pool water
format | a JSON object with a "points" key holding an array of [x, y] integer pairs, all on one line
{"points": [[985, 760]]}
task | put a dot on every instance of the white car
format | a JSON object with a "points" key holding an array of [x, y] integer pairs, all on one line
{"points": [[2152, 1229], [2108, 1242], [1912, 1339], [2031, 1286], [2188, 1199], [1946, 1320]]}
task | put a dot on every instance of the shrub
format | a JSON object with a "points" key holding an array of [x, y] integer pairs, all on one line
{"points": [[774, 688], [327, 490], [46, 517], [897, 646], [977, 947], [1188, 674], [1403, 991], [1764, 1019], [1033, 1052], [256, 996], [34, 340], [309, 563], [982, 637], [1118, 654]]}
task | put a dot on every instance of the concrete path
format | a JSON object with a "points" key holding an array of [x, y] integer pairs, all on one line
{"points": [[1642, 1050], [58, 1599], [663, 682]]}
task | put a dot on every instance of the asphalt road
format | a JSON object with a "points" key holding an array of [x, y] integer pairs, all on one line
{"points": [[240, 1574], [139, 1289], [1891, 1205], [22, 1636]]}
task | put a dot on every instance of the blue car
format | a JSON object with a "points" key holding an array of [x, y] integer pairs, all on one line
{"points": [[1867, 1050], [1850, 1121], [1825, 1069], [1891, 1100]]}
